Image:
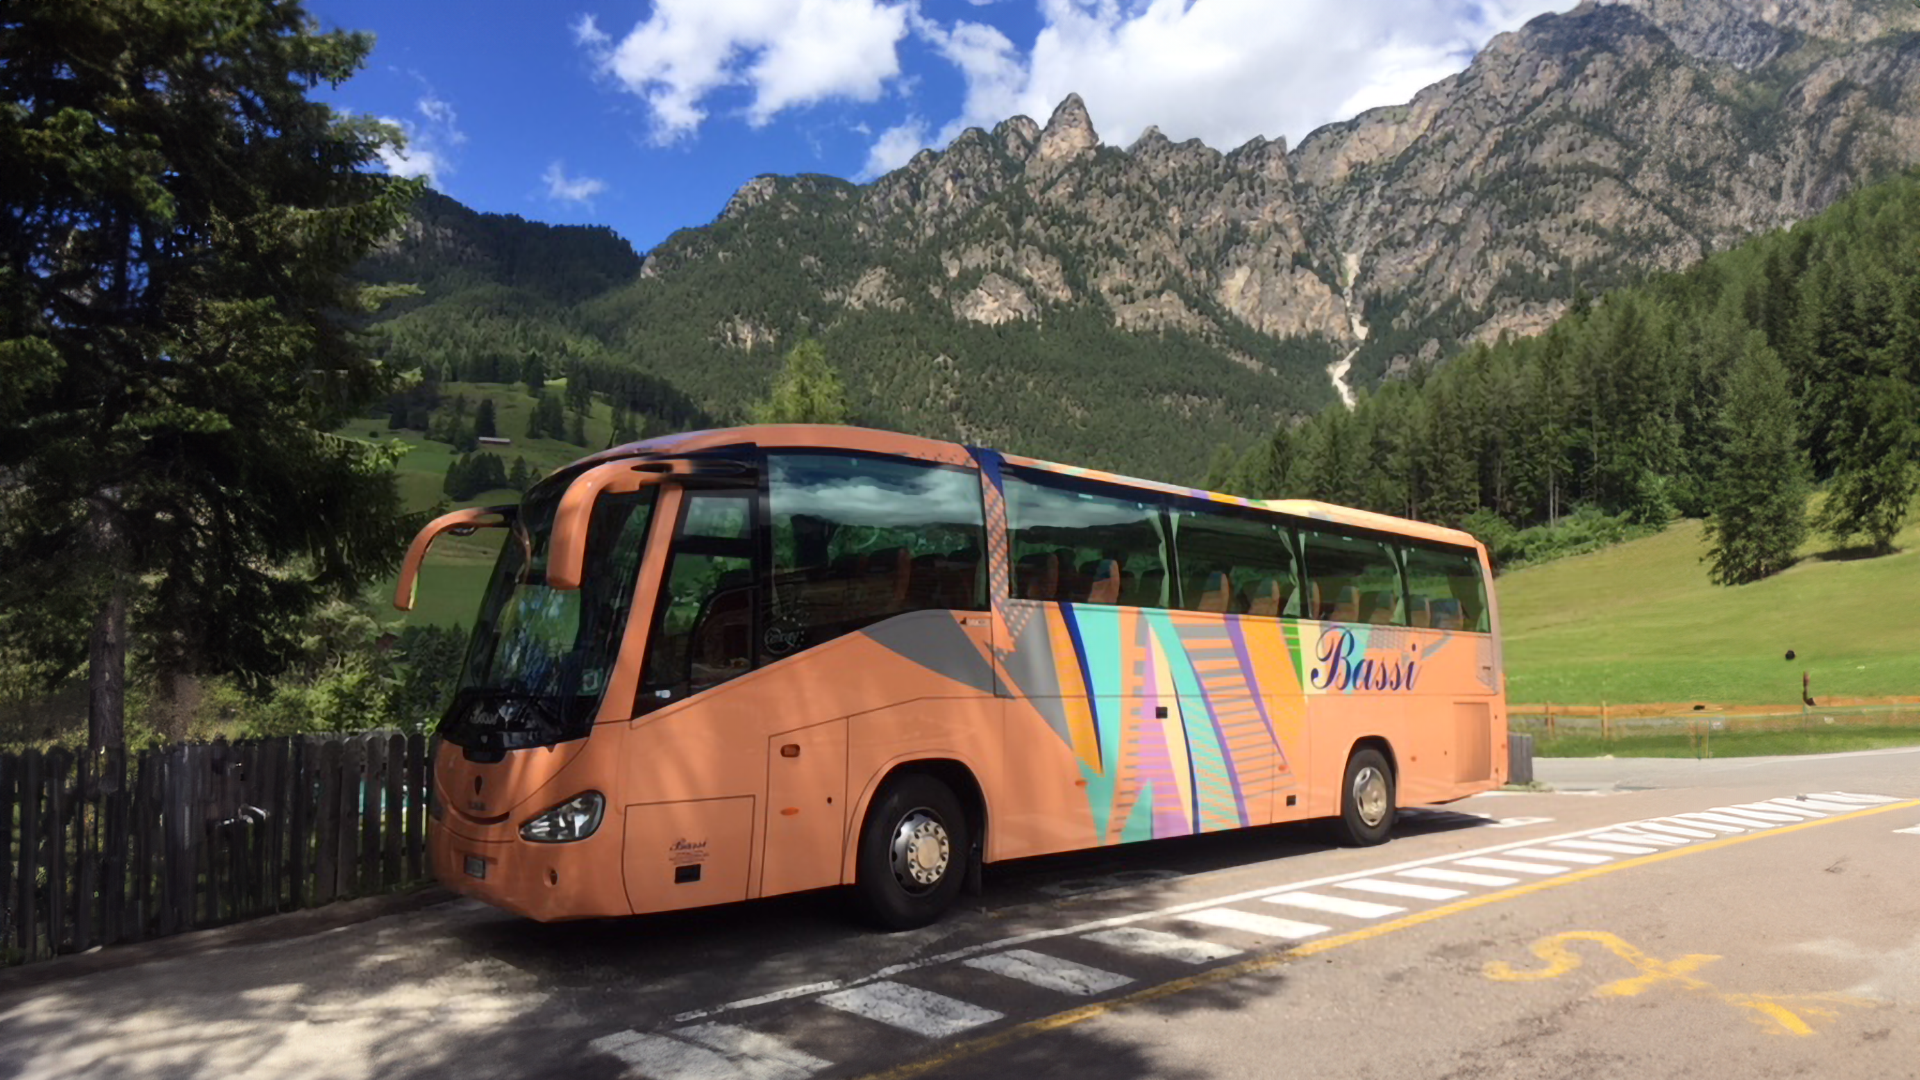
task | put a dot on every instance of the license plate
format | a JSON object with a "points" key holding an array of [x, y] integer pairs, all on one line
{"points": [[476, 867]]}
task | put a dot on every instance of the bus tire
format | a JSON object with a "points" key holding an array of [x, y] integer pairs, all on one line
{"points": [[1366, 799], [913, 855]]}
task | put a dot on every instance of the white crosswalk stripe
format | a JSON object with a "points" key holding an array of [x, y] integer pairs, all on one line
{"points": [[1665, 826], [1263, 925], [1458, 877], [1716, 822], [1335, 905], [1766, 818], [1555, 854], [1401, 888], [1049, 972], [1815, 802], [1515, 865], [709, 1052], [1850, 797], [1788, 806], [1625, 836], [1159, 943], [910, 1008], [1597, 845]]}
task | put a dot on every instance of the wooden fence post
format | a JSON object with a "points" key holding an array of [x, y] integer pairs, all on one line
{"points": [[29, 854], [9, 809], [393, 819], [326, 884], [419, 777]]}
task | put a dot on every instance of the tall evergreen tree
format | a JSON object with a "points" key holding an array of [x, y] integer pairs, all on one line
{"points": [[176, 223], [1758, 494], [807, 390], [1879, 471], [485, 422]]}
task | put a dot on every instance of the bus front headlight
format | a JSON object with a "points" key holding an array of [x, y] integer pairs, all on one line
{"points": [[575, 819]]}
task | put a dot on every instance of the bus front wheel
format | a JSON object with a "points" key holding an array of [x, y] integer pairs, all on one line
{"points": [[1366, 799], [913, 853]]}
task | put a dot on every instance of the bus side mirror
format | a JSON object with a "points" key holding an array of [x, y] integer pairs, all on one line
{"points": [[459, 523]]}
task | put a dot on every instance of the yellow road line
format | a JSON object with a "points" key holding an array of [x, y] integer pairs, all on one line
{"points": [[975, 1047]]}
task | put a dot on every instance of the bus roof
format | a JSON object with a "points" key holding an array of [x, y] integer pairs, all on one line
{"points": [[872, 440]]}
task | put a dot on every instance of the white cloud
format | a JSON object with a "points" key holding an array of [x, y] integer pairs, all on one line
{"points": [[430, 135], [573, 189], [1223, 71], [787, 53], [895, 147]]}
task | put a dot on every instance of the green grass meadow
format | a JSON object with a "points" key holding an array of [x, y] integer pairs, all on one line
{"points": [[455, 573], [1640, 623]]}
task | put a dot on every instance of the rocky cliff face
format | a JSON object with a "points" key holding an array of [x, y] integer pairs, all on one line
{"points": [[1583, 150]]}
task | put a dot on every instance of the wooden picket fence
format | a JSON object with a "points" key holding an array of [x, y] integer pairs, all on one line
{"points": [[130, 847]]}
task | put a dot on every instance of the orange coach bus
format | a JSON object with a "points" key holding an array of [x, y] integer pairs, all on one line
{"points": [[739, 663]]}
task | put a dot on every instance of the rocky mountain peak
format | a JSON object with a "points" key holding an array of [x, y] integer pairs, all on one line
{"points": [[1018, 136], [1069, 133]]}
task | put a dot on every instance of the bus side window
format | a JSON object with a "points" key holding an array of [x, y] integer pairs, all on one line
{"points": [[859, 538], [1076, 542], [1445, 589], [1235, 563], [1353, 579]]}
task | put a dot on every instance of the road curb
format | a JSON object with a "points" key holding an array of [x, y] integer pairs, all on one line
{"points": [[270, 928]]}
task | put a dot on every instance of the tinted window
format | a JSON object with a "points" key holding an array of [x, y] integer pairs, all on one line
{"points": [[1085, 545], [704, 632], [1234, 564], [857, 539], [1445, 590], [1352, 579]]}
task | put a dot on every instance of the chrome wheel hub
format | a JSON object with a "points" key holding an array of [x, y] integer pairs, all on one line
{"points": [[921, 851], [1370, 796]]}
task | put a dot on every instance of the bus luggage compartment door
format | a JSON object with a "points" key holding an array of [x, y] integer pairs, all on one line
{"points": [[688, 854], [806, 808]]}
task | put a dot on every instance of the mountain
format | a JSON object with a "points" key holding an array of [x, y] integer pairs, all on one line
{"points": [[1033, 288]]}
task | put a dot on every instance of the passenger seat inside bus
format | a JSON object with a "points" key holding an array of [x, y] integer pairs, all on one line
{"points": [[1217, 595], [1037, 576], [1446, 614], [1380, 607], [1102, 577]]}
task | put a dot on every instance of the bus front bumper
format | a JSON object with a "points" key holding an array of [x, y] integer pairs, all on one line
{"points": [[543, 882]]}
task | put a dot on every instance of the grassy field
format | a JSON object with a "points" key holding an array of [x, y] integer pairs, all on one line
{"points": [[1640, 623], [456, 573], [1720, 744]]}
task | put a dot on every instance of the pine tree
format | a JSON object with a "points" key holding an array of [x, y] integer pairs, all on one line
{"points": [[807, 391], [1758, 494], [177, 340], [1878, 476], [484, 421], [577, 430], [520, 478]]}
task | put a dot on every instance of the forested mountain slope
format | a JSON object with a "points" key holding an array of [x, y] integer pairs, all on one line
{"points": [[1032, 288]]}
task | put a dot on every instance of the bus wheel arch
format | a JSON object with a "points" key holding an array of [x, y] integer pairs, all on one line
{"points": [[1369, 794], [919, 842]]}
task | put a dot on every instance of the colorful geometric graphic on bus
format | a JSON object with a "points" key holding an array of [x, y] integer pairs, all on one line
{"points": [[1179, 721]]}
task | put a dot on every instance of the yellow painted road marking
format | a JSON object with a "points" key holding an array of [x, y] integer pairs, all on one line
{"points": [[985, 1043], [1561, 959]]}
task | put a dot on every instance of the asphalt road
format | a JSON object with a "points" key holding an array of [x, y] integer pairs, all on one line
{"points": [[1742, 918]]}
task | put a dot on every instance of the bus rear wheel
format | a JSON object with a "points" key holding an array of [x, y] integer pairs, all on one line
{"points": [[913, 853], [1366, 799]]}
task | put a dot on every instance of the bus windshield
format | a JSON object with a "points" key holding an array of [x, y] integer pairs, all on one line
{"points": [[540, 657]]}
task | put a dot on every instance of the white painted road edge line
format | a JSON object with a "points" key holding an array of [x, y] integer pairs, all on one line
{"points": [[1181, 909]]}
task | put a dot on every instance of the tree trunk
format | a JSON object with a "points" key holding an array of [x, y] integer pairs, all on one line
{"points": [[107, 653]]}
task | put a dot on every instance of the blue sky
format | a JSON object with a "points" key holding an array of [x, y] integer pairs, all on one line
{"points": [[646, 116]]}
